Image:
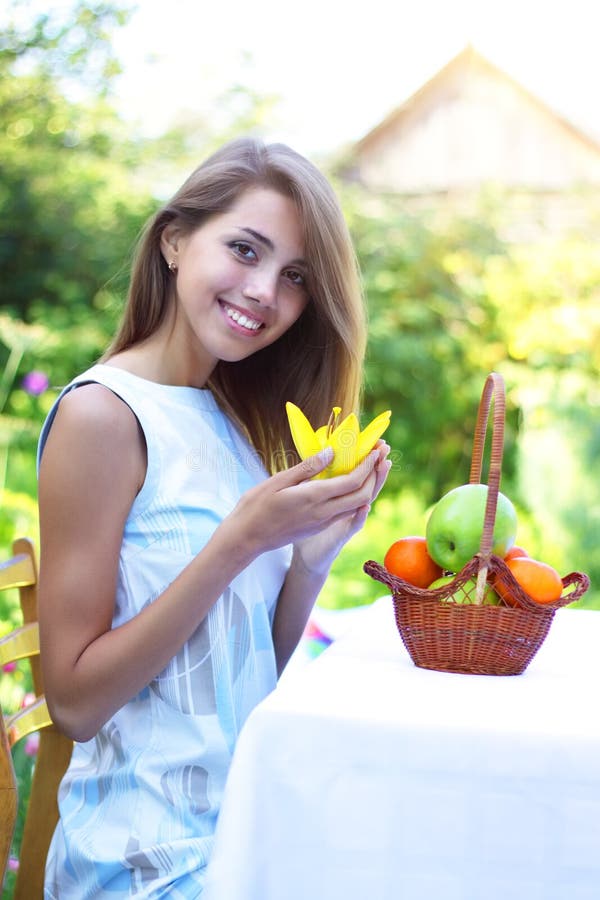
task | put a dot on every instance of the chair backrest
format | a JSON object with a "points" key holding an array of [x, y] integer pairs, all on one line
{"points": [[54, 750]]}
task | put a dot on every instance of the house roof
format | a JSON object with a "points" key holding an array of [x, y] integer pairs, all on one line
{"points": [[464, 66]]}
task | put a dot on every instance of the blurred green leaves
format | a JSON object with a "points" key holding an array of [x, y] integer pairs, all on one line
{"points": [[449, 301]]}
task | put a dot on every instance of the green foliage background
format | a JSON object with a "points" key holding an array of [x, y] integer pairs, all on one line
{"points": [[450, 299]]}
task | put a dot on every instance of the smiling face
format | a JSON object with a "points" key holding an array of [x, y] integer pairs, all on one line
{"points": [[240, 282]]}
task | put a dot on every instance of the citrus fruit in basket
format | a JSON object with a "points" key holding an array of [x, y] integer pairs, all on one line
{"points": [[515, 552], [539, 580], [455, 526], [409, 559]]}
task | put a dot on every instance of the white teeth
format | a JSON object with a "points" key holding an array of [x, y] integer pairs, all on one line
{"points": [[241, 319]]}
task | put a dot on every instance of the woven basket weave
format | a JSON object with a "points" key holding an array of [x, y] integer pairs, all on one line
{"points": [[475, 637]]}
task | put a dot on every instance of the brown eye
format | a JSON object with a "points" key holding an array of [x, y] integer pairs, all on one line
{"points": [[295, 277], [241, 248]]}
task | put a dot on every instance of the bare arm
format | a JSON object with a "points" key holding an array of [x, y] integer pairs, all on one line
{"points": [[92, 468]]}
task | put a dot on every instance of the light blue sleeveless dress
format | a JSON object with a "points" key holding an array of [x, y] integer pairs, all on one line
{"points": [[139, 802]]}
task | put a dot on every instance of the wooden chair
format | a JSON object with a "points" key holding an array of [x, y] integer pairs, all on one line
{"points": [[54, 750]]}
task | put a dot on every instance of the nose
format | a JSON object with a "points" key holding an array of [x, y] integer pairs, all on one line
{"points": [[262, 288]]}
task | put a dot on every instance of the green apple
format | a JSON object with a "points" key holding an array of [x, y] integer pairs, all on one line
{"points": [[466, 592], [454, 528]]}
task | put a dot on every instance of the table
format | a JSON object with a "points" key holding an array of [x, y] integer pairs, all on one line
{"points": [[363, 777]]}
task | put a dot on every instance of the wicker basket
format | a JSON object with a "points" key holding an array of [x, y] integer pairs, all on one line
{"points": [[475, 637]]}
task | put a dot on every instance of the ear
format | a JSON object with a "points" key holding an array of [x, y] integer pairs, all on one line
{"points": [[169, 242]]}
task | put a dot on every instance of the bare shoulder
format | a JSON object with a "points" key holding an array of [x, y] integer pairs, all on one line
{"points": [[94, 406], [95, 430]]}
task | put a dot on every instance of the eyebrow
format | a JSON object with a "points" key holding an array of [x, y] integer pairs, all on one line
{"points": [[268, 243], [263, 239]]}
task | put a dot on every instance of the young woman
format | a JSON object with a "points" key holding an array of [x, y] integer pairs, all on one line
{"points": [[182, 543]]}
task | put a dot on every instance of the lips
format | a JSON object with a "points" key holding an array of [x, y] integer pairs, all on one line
{"points": [[242, 318]]}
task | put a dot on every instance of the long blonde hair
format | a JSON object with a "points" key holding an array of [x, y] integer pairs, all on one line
{"points": [[318, 362]]}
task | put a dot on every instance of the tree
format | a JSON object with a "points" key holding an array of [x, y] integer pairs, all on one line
{"points": [[434, 336], [69, 204], [70, 46]]}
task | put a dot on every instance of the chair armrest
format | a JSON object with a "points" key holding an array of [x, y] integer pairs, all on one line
{"points": [[17, 572], [20, 643], [27, 720]]}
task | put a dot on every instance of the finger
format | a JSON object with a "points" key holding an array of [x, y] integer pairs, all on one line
{"points": [[347, 503], [306, 469], [354, 518], [314, 465], [384, 450], [382, 472], [352, 481], [360, 518]]}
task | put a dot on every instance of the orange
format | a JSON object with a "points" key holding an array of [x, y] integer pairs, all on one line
{"points": [[539, 580], [409, 559], [515, 552]]}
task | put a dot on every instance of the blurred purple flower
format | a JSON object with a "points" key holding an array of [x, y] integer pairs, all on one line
{"points": [[9, 666], [27, 699], [13, 864], [32, 744], [35, 383]]}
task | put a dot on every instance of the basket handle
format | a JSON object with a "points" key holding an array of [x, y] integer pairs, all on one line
{"points": [[494, 385]]}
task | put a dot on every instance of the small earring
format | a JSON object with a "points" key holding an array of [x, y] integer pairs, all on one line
{"points": [[172, 266]]}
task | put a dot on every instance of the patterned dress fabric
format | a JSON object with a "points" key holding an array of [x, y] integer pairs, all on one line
{"points": [[139, 802]]}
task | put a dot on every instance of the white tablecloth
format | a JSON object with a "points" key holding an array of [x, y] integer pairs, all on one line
{"points": [[363, 777]]}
